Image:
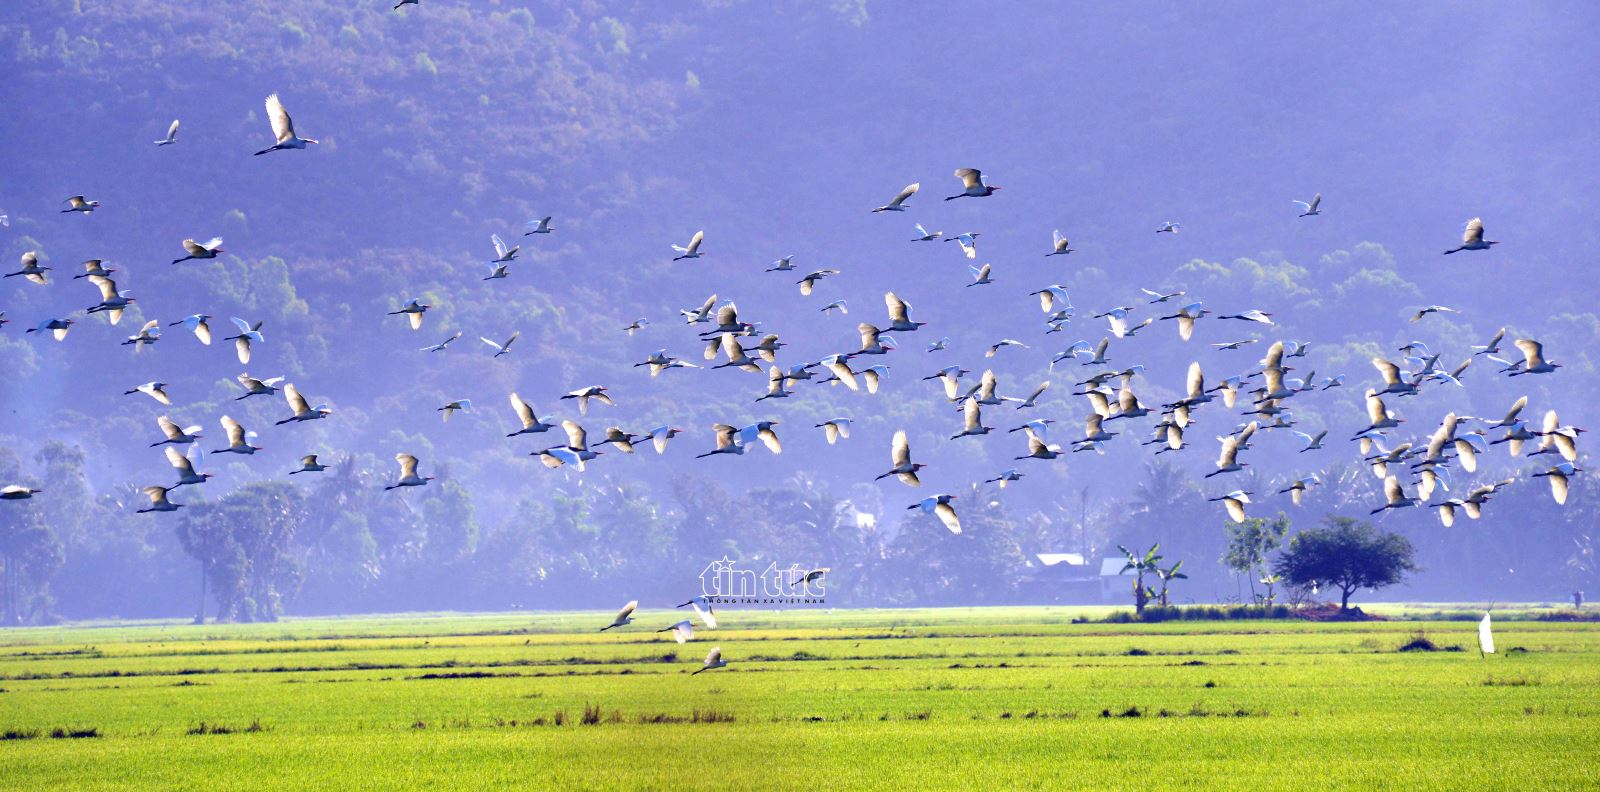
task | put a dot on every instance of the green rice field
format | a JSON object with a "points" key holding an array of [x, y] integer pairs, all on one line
{"points": [[993, 698]]}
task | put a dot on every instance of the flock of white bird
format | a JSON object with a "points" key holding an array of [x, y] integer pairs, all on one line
{"points": [[1411, 471]]}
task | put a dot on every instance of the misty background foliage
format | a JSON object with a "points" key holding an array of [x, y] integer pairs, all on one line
{"points": [[773, 126]]}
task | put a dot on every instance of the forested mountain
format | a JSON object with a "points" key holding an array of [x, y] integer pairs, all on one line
{"points": [[773, 127]]}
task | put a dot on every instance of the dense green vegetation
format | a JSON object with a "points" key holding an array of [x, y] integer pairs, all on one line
{"points": [[859, 699]]}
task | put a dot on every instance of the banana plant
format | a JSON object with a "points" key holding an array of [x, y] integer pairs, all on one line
{"points": [[1141, 565], [1167, 576]]}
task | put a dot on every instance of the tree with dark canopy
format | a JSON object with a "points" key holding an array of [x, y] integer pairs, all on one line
{"points": [[1348, 555]]}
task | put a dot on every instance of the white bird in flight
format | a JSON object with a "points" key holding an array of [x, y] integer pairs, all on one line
{"points": [[282, 128], [898, 204]]}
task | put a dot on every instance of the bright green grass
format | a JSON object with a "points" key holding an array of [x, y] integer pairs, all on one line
{"points": [[997, 698]]}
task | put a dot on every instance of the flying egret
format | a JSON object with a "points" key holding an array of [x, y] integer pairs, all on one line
{"points": [[155, 390], [539, 226], [1059, 244], [282, 128], [1251, 315], [1297, 490], [149, 334], [503, 253], [1169, 227], [842, 306], [693, 249], [459, 405], [158, 501], [980, 277], [898, 204], [55, 327], [1186, 316], [31, 271], [623, 617], [1533, 358], [112, 302], [924, 235], [185, 467], [968, 242], [683, 631], [584, 394], [1006, 477], [809, 282], [900, 456], [197, 324], [713, 660], [408, 473], [939, 506], [78, 203], [1472, 237], [785, 264], [1559, 476], [660, 435], [727, 440], [181, 435], [1234, 502], [1394, 492], [257, 387], [17, 492], [1417, 317], [248, 333], [413, 311], [238, 438], [309, 464], [1310, 209], [835, 428], [972, 184], [200, 250], [439, 347], [501, 348]]}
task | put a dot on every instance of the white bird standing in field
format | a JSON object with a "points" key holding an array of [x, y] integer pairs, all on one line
{"points": [[1472, 238], [1310, 209], [208, 249], [692, 250], [713, 660], [940, 506], [282, 128], [408, 473], [623, 617], [898, 204]]}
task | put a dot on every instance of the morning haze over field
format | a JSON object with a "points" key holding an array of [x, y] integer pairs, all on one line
{"points": [[627, 395]]}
